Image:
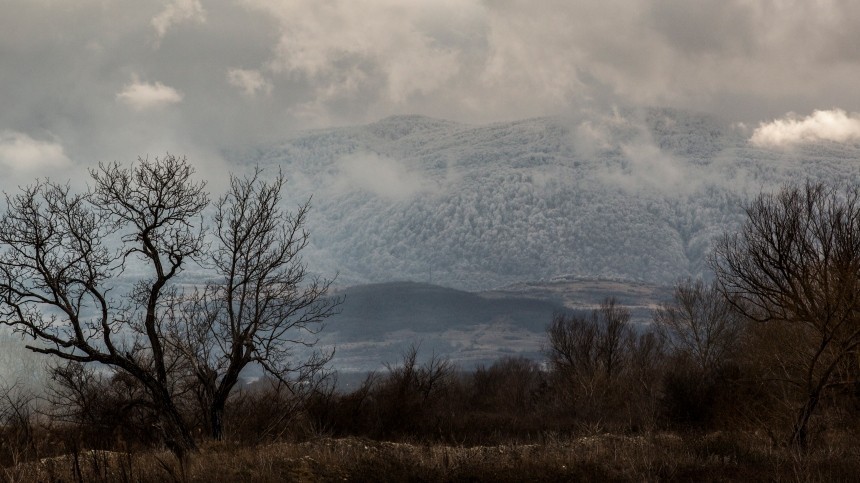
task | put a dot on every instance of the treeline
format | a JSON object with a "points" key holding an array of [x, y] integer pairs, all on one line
{"points": [[699, 367]]}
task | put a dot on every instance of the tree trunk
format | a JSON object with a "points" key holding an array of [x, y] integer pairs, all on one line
{"points": [[800, 433], [177, 437], [216, 421]]}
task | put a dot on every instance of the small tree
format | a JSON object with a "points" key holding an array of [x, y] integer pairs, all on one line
{"points": [[795, 265], [591, 351], [703, 332], [700, 324], [66, 256], [591, 344]]}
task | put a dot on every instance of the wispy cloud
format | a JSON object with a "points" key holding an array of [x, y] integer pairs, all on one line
{"points": [[249, 82], [141, 96], [827, 125], [382, 176], [175, 12]]}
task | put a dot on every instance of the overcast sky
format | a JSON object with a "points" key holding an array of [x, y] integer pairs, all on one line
{"points": [[89, 80]]}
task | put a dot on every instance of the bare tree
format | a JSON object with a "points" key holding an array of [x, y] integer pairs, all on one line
{"points": [[616, 336], [795, 264], [591, 351], [587, 344], [700, 323], [57, 268], [263, 303], [65, 255]]}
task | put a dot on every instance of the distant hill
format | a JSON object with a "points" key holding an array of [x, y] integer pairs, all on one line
{"points": [[378, 322], [633, 196]]}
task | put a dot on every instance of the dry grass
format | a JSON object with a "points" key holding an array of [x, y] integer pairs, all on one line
{"points": [[604, 457]]}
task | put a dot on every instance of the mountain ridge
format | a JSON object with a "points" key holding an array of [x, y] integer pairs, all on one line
{"points": [[635, 195]]}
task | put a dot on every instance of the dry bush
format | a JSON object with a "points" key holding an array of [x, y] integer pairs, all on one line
{"points": [[331, 413], [103, 410], [19, 438], [506, 401], [412, 398]]}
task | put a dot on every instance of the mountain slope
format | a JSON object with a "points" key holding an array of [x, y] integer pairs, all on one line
{"points": [[634, 195]]}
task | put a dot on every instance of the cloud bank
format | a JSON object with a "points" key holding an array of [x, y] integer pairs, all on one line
{"points": [[246, 72], [828, 125]]}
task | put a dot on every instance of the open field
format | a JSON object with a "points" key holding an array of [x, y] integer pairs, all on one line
{"points": [[599, 457]]}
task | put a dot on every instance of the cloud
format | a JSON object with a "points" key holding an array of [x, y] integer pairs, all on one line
{"points": [[630, 158], [384, 51], [482, 61], [141, 96], [20, 152], [176, 12], [828, 125], [342, 62], [382, 176], [249, 82]]}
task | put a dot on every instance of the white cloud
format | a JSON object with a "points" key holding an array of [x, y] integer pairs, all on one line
{"points": [[20, 152], [249, 81], [829, 125], [176, 12], [142, 96], [382, 176]]}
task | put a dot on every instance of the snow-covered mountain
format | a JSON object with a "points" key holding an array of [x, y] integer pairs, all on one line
{"points": [[632, 195]]}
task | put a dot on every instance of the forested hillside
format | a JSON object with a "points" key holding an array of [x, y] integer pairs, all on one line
{"points": [[636, 196]]}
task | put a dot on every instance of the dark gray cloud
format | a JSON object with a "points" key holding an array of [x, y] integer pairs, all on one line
{"points": [[89, 80]]}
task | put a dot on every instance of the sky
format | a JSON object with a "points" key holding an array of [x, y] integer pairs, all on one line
{"points": [[83, 81]]}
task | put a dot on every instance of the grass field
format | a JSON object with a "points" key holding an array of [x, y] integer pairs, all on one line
{"points": [[599, 457]]}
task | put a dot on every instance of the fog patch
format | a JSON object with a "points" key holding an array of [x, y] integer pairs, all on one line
{"points": [[382, 176], [827, 125]]}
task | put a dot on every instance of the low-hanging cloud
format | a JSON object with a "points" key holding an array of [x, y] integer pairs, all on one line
{"points": [[141, 96], [382, 176], [20, 152], [823, 125]]}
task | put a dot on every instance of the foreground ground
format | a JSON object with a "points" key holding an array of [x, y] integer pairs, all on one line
{"points": [[603, 457]]}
